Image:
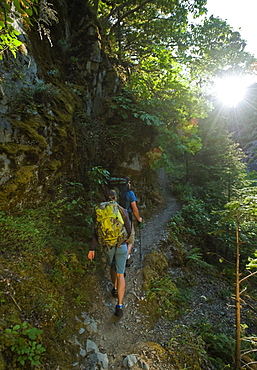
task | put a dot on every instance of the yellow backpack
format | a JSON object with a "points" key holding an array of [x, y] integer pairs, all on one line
{"points": [[110, 228]]}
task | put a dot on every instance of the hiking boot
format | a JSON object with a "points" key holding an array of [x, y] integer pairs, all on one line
{"points": [[118, 311], [114, 293]]}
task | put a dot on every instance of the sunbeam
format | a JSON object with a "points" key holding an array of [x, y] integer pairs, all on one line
{"points": [[230, 91]]}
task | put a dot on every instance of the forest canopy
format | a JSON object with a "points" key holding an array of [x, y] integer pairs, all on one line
{"points": [[172, 52]]}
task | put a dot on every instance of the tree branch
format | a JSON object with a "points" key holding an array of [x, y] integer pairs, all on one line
{"points": [[246, 277], [120, 7]]}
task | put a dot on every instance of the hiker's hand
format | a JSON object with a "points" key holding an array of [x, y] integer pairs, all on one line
{"points": [[91, 255], [140, 220]]}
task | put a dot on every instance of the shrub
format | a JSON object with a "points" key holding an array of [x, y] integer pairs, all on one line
{"points": [[24, 342]]}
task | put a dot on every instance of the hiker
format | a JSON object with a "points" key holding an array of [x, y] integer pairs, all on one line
{"points": [[131, 207], [116, 256]]}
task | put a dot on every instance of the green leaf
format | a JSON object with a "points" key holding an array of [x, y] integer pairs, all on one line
{"points": [[17, 5], [29, 11]]}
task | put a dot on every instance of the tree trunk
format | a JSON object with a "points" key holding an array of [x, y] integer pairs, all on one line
{"points": [[238, 307]]}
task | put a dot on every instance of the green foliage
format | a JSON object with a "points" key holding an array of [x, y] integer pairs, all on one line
{"points": [[70, 202], [165, 295], [188, 348], [192, 221], [44, 255], [188, 230], [167, 63], [97, 178], [55, 225], [198, 231], [219, 346], [8, 35], [24, 343], [28, 11], [127, 106], [218, 168], [226, 51], [162, 293], [8, 39], [143, 26], [170, 101], [243, 205], [195, 256], [36, 95], [24, 229], [252, 261], [241, 209]]}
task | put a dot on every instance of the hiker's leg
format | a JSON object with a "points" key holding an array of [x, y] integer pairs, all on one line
{"points": [[131, 240], [120, 260], [121, 288], [113, 276], [120, 264], [110, 256]]}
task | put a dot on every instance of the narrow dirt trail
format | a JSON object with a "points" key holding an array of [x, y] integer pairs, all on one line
{"points": [[108, 342], [117, 337]]}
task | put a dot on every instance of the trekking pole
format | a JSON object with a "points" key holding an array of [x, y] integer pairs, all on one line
{"points": [[140, 247], [140, 226]]}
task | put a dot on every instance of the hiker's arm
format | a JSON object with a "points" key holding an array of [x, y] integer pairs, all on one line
{"points": [[127, 224], [91, 253], [135, 211]]}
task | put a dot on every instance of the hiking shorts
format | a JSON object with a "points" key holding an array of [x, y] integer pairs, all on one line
{"points": [[131, 239], [117, 256]]}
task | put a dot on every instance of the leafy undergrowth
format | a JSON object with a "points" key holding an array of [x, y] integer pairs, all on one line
{"points": [[196, 298], [183, 303], [45, 280]]}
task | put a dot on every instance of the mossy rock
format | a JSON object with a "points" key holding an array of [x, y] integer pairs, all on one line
{"points": [[29, 128], [155, 266], [15, 149], [25, 174]]}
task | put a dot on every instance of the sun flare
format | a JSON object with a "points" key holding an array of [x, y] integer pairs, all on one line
{"points": [[231, 90]]}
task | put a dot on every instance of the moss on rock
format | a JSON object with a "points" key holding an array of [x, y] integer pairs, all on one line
{"points": [[29, 127], [15, 149], [25, 174], [155, 266]]}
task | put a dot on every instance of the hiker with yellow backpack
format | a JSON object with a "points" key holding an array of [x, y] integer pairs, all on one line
{"points": [[112, 230], [128, 200]]}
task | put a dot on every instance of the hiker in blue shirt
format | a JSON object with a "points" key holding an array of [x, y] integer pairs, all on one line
{"points": [[116, 258], [131, 207]]}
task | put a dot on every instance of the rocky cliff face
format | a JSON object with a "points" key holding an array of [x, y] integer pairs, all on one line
{"points": [[49, 98]]}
